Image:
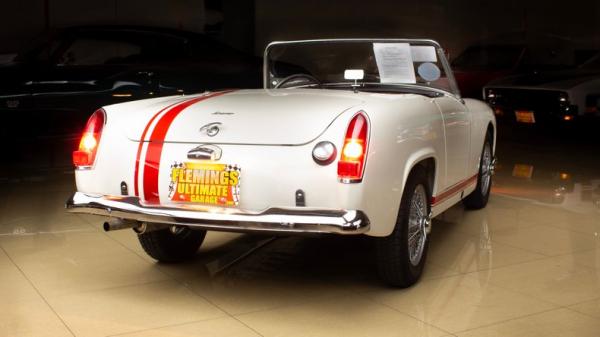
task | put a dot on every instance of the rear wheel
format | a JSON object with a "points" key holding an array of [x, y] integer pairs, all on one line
{"points": [[401, 256], [479, 197], [172, 245]]}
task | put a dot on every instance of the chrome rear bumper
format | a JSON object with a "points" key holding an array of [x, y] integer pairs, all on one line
{"points": [[282, 220]]}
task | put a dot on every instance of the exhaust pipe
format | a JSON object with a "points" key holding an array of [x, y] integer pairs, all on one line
{"points": [[145, 227], [114, 224]]}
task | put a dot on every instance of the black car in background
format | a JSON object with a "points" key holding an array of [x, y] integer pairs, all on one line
{"points": [[52, 87]]}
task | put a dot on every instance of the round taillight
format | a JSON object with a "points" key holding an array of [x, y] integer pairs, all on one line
{"points": [[324, 153]]}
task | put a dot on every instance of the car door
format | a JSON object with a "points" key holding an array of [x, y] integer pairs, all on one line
{"points": [[457, 126]]}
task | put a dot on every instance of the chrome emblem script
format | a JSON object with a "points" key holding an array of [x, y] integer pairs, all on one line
{"points": [[211, 129], [205, 152]]}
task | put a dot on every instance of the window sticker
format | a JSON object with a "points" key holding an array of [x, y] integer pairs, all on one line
{"points": [[394, 61], [423, 53], [429, 72]]}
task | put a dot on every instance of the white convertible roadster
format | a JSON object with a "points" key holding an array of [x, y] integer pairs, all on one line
{"points": [[349, 136]]}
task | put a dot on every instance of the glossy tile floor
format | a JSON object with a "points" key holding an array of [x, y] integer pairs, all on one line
{"points": [[527, 265]]}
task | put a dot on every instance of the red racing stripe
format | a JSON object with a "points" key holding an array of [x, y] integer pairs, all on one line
{"points": [[141, 145], [452, 190], [155, 146]]}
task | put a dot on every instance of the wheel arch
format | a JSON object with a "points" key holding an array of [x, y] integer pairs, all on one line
{"points": [[427, 159]]}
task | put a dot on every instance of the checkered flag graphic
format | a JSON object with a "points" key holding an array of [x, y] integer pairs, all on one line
{"points": [[235, 189]]}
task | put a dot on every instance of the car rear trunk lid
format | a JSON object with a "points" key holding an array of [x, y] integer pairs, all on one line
{"points": [[260, 117]]}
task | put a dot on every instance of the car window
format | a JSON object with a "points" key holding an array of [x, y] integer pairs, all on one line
{"points": [[96, 51]]}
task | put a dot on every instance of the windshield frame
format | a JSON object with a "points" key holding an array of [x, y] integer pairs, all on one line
{"points": [[454, 91]]}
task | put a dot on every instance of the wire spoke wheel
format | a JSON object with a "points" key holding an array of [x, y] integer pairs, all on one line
{"points": [[486, 167], [418, 224]]}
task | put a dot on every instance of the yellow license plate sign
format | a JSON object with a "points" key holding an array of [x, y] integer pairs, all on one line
{"points": [[205, 183], [522, 171], [525, 116]]}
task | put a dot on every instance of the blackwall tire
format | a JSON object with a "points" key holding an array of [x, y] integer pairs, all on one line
{"points": [[478, 199], [167, 246], [400, 262]]}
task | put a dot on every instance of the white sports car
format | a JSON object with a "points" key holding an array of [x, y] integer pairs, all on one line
{"points": [[348, 136]]}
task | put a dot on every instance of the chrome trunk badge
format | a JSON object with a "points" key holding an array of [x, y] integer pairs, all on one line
{"points": [[211, 129], [205, 152]]}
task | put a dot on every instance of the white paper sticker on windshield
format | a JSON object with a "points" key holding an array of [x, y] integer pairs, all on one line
{"points": [[423, 53], [394, 61]]}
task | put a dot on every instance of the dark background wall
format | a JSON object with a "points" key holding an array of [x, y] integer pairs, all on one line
{"points": [[251, 24], [454, 24]]}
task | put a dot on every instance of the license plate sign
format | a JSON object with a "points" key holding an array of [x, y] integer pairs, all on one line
{"points": [[525, 116], [205, 183], [522, 171]]}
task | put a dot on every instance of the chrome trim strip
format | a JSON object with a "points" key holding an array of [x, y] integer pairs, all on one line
{"points": [[281, 220]]}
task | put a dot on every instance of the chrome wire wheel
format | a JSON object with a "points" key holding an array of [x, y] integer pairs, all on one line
{"points": [[419, 225], [486, 168]]}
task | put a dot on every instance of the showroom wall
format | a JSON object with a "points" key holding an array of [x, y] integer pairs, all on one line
{"points": [[455, 23], [250, 24], [22, 20]]}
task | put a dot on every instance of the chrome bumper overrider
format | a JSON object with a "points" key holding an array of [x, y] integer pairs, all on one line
{"points": [[285, 220]]}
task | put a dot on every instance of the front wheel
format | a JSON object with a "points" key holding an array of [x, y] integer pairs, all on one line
{"points": [[401, 256], [479, 197], [173, 244]]}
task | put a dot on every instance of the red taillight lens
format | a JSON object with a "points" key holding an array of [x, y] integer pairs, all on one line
{"points": [[354, 152], [88, 145]]}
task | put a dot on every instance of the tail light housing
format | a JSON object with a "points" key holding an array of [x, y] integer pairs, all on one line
{"points": [[351, 165], [85, 155]]}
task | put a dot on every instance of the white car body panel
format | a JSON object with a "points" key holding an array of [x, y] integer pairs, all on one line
{"points": [[273, 133]]}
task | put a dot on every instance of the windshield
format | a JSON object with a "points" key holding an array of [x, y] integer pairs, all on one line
{"points": [[387, 65]]}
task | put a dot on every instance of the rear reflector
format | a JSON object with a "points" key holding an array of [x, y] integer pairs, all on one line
{"points": [[351, 166], [85, 156]]}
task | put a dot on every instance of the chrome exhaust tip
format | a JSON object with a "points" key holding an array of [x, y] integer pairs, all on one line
{"points": [[114, 224]]}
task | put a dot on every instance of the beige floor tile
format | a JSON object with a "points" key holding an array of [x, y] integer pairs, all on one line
{"points": [[589, 258], [71, 274], [26, 225], [30, 318], [459, 303], [591, 308], [14, 286], [128, 239], [22, 203], [466, 253], [220, 327], [501, 213], [582, 223], [57, 245], [557, 279], [241, 296], [546, 240], [344, 316], [542, 214], [555, 323], [134, 308]]}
